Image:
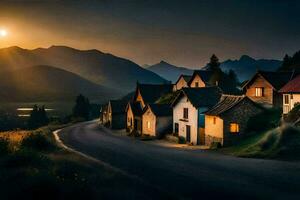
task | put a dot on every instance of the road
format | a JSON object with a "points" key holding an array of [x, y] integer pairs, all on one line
{"points": [[189, 174]]}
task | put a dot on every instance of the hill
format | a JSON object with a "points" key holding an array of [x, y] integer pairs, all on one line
{"points": [[101, 68], [47, 83], [168, 71], [244, 67]]}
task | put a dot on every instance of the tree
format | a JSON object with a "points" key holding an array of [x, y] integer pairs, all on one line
{"points": [[38, 117], [214, 66], [82, 107]]}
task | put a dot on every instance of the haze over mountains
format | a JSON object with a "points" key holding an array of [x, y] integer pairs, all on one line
{"points": [[244, 67], [89, 71]]}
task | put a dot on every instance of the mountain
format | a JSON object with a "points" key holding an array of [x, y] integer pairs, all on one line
{"points": [[246, 66], [47, 83], [98, 67], [168, 71]]}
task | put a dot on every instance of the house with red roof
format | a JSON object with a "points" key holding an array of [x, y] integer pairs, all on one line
{"points": [[291, 94]]}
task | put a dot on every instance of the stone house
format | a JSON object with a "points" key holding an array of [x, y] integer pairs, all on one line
{"points": [[144, 94], [157, 119], [188, 112], [264, 87], [291, 94], [182, 82], [116, 116], [200, 78], [226, 122]]}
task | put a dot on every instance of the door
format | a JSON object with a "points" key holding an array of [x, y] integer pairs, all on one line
{"points": [[188, 133], [176, 128]]}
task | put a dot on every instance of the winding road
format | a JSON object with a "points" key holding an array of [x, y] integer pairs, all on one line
{"points": [[190, 174]]}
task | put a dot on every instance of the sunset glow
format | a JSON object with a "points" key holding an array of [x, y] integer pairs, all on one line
{"points": [[3, 33]]}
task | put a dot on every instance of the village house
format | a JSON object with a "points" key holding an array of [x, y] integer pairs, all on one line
{"points": [[291, 94], [144, 94], [103, 114], [157, 119], [188, 112], [226, 122], [200, 78], [264, 87], [182, 82], [116, 116]]}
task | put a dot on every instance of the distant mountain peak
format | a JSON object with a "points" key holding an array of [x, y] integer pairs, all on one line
{"points": [[246, 58], [164, 62]]}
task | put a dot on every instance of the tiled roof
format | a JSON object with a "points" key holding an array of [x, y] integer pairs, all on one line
{"points": [[226, 103], [276, 79], [152, 93], [118, 106], [160, 109], [200, 97], [292, 86]]}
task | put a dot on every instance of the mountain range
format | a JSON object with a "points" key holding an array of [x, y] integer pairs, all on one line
{"points": [[244, 67], [60, 71]]}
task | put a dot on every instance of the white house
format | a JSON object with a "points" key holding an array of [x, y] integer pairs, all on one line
{"points": [[291, 94], [188, 112]]}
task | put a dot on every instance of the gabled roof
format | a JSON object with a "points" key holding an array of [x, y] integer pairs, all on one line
{"points": [[226, 103], [186, 78], [204, 74], [135, 107], [151, 93], [276, 79], [200, 97], [160, 110], [292, 86], [118, 106]]}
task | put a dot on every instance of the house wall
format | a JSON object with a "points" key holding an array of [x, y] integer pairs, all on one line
{"points": [[239, 114], [148, 116], [192, 119], [294, 98], [129, 120], [267, 99], [118, 121], [163, 125], [198, 79], [213, 132], [139, 98], [180, 84]]}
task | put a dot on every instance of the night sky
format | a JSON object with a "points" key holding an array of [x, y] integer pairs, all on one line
{"points": [[184, 33]]}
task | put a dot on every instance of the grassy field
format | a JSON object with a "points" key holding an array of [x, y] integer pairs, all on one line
{"points": [[34, 167], [279, 143]]}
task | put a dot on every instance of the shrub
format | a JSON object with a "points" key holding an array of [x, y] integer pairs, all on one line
{"points": [[215, 145], [4, 146], [181, 140], [37, 141], [294, 114]]}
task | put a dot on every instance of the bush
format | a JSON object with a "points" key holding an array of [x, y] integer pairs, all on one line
{"points": [[37, 141], [266, 120], [4, 146], [215, 145], [293, 115], [181, 140]]}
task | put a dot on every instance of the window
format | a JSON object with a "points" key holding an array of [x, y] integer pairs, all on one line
{"points": [[148, 124], [286, 99], [234, 128], [259, 91], [176, 128], [196, 84], [185, 113], [214, 120]]}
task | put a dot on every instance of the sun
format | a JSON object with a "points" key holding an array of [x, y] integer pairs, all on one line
{"points": [[3, 32]]}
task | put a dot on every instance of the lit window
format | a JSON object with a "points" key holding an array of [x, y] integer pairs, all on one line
{"points": [[185, 113], [234, 128], [286, 99], [148, 124], [259, 91]]}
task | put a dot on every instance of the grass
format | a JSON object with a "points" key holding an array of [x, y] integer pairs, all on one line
{"points": [[36, 168], [281, 143]]}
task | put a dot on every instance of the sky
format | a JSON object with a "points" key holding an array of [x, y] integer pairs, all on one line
{"points": [[181, 32]]}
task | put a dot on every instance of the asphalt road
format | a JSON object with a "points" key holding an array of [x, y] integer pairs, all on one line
{"points": [[190, 174]]}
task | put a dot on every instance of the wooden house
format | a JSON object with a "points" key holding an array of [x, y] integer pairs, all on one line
{"points": [[116, 114], [157, 119], [144, 94], [264, 87], [291, 94], [226, 122], [182, 82], [188, 112], [201, 78]]}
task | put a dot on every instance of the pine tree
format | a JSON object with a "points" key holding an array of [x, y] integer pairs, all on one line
{"points": [[82, 107], [214, 66]]}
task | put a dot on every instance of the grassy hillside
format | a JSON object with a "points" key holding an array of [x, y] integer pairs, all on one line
{"points": [[101, 68], [46, 83]]}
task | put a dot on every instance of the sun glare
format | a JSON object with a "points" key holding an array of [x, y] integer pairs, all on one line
{"points": [[3, 32]]}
